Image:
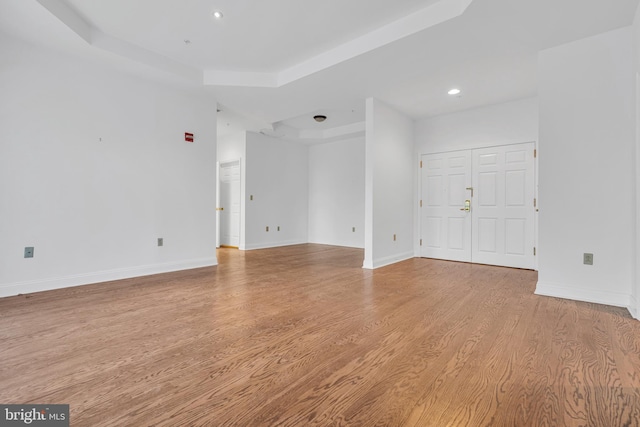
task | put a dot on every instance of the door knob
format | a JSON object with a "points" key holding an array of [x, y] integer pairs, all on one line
{"points": [[219, 209], [467, 206]]}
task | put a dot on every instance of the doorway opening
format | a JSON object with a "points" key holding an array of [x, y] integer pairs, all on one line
{"points": [[228, 210]]}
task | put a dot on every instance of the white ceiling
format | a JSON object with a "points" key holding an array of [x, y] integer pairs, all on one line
{"points": [[273, 64], [256, 36]]}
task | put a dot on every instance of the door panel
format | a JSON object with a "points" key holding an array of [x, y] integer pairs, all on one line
{"points": [[457, 234], [433, 229], [433, 191], [487, 181], [515, 237], [446, 228], [456, 189], [503, 215], [487, 235]]}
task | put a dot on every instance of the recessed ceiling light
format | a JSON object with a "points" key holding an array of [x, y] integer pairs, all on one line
{"points": [[217, 14], [454, 91]]}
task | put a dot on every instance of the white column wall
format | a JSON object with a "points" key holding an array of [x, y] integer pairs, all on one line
{"points": [[587, 169], [634, 306], [389, 185]]}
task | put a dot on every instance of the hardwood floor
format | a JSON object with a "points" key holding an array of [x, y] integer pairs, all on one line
{"points": [[303, 336]]}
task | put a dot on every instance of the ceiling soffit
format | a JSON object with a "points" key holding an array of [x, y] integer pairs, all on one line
{"points": [[435, 13]]}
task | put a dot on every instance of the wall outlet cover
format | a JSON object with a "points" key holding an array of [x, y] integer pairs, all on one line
{"points": [[28, 252], [587, 259]]}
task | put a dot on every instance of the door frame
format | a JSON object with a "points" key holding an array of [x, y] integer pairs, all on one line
{"points": [[219, 166], [418, 217]]}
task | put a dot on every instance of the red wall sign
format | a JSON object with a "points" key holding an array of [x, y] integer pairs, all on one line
{"points": [[188, 137]]}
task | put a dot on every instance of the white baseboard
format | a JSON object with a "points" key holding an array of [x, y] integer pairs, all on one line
{"points": [[342, 244], [633, 307], [382, 262], [585, 295], [28, 287], [253, 246]]}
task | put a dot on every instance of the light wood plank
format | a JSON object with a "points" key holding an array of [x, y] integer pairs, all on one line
{"points": [[303, 336]]}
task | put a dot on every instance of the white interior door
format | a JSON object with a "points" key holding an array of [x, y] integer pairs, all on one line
{"points": [[229, 206], [218, 205], [446, 225], [503, 208], [499, 227]]}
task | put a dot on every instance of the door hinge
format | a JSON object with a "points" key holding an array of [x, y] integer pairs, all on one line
{"points": [[534, 251], [535, 202], [420, 203], [420, 164], [535, 153]]}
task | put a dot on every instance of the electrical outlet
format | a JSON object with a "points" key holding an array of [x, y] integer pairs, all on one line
{"points": [[251, 197], [278, 228], [353, 229], [28, 252], [587, 259], [394, 237], [267, 228], [160, 241]]}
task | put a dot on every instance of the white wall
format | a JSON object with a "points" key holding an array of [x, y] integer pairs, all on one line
{"points": [[389, 185], [277, 178], [336, 193], [94, 209], [501, 124], [232, 147], [634, 306], [587, 171]]}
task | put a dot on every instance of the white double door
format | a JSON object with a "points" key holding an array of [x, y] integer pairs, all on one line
{"points": [[478, 206]]}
